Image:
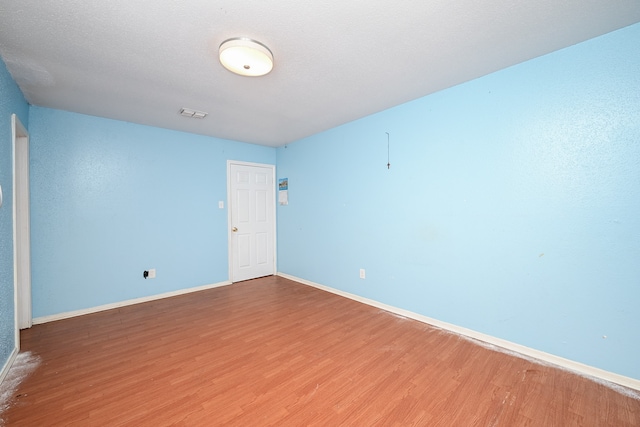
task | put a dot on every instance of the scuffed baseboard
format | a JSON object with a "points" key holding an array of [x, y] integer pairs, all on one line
{"points": [[8, 364], [492, 342], [69, 314]]}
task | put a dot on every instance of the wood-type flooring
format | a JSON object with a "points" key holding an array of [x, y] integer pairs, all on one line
{"points": [[273, 352]]}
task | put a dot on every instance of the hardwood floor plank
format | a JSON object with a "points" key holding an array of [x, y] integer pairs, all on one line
{"points": [[274, 352]]}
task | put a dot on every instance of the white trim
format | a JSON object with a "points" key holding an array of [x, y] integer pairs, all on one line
{"points": [[21, 235], [69, 314], [229, 219], [16, 333], [9, 363], [521, 350]]}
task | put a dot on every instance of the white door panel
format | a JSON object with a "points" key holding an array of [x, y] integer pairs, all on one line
{"points": [[252, 220]]}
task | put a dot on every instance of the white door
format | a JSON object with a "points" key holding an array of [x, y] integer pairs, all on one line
{"points": [[21, 228], [251, 220]]}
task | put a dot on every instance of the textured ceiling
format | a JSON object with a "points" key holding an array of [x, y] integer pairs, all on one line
{"points": [[335, 60]]}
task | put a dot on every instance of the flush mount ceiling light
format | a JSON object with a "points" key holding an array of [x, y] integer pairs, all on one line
{"points": [[246, 57]]}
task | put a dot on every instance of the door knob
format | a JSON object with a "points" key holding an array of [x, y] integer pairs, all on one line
{"points": [[234, 229]]}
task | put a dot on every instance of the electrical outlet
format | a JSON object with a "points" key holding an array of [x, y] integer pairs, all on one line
{"points": [[152, 273], [362, 274]]}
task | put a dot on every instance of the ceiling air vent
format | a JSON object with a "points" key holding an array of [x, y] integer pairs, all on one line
{"points": [[187, 112]]}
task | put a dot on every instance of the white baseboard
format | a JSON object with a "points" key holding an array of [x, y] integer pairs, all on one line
{"points": [[68, 314], [8, 364], [519, 350]]}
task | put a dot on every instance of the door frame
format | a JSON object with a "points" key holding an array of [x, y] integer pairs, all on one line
{"points": [[229, 207], [21, 228]]}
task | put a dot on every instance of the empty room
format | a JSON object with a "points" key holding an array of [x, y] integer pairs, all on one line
{"points": [[278, 213]]}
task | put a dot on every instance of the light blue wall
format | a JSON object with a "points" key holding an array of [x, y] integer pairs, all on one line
{"points": [[110, 199], [512, 205], [11, 102]]}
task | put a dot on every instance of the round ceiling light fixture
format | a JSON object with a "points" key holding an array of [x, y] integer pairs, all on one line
{"points": [[246, 57]]}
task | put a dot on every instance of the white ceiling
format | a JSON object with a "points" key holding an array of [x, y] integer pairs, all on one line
{"points": [[335, 60]]}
